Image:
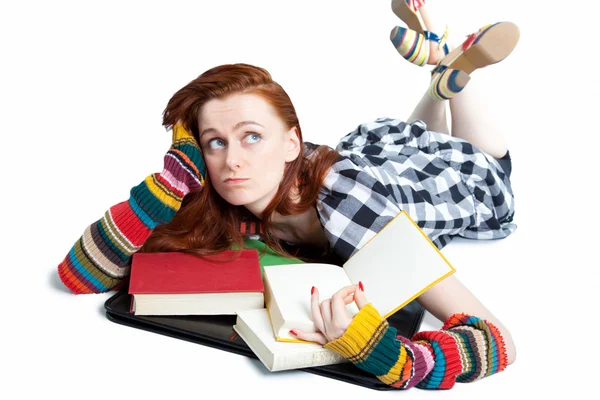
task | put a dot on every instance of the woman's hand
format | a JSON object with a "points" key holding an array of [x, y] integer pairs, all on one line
{"points": [[330, 315], [184, 161]]}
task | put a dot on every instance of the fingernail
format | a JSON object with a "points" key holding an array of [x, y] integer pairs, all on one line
{"points": [[293, 332], [312, 290], [360, 286]]}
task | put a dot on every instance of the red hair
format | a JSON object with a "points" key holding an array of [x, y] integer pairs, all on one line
{"points": [[207, 224]]}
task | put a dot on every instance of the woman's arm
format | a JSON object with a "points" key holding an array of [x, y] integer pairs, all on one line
{"points": [[100, 258], [450, 297], [467, 348]]}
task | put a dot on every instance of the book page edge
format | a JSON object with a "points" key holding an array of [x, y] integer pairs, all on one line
{"points": [[246, 340], [421, 292]]}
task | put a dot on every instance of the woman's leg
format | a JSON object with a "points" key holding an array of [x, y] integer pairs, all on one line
{"points": [[432, 112], [470, 119], [472, 122], [429, 110]]}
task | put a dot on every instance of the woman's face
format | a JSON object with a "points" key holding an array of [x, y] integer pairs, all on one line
{"points": [[245, 146]]}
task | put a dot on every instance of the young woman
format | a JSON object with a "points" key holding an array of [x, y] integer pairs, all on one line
{"points": [[238, 166]]}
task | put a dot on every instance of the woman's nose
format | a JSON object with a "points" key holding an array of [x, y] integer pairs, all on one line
{"points": [[234, 157]]}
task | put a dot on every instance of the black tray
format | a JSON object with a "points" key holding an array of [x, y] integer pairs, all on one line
{"points": [[217, 331]]}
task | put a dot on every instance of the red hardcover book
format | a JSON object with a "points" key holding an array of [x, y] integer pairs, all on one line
{"points": [[175, 283]]}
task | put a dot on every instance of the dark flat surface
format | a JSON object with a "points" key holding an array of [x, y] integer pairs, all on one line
{"points": [[216, 331]]}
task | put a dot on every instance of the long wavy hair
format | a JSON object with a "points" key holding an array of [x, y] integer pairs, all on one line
{"points": [[206, 223]]}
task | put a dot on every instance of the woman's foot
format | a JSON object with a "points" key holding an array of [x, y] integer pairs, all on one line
{"points": [[490, 45], [417, 48], [418, 44]]}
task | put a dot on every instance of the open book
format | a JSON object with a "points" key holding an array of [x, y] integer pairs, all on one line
{"points": [[395, 266], [254, 327]]}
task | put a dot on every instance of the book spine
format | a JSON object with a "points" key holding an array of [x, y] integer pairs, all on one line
{"points": [[275, 316]]}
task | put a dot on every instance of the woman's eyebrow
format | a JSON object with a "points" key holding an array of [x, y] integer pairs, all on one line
{"points": [[237, 126]]}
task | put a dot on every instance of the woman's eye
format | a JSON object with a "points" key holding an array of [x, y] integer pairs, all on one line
{"points": [[215, 144], [254, 137]]}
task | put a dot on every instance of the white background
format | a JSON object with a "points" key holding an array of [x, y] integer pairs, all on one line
{"points": [[82, 89]]}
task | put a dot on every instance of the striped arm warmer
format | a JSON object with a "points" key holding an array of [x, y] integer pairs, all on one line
{"points": [[466, 349], [100, 259]]}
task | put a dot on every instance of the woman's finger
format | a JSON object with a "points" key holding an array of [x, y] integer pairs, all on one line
{"points": [[349, 299], [315, 310], [325, 307], [340, 317], [316, 337], [360, 298], [344, 293]]}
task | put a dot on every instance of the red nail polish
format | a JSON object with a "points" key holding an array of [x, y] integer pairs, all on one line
{"points": [[293, 332], [312, 290], [361, 287]]}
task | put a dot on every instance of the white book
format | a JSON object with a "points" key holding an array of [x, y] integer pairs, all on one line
{"points": [[396, 266], [254, 327]]}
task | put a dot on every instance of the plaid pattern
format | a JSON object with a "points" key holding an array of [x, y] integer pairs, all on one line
{"points": [[448, 186]]}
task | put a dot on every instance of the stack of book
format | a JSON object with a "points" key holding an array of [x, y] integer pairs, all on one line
{"points": [[395, 266]]}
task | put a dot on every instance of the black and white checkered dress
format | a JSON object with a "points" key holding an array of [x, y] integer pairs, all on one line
{"points": [[447, 186]]}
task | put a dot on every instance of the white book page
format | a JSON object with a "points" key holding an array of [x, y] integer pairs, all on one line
{"points": [[197, 304], [397, 265], [291, 285]]}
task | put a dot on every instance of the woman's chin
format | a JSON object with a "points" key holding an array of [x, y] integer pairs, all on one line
{"points": [[237, 200], [250, 199]]}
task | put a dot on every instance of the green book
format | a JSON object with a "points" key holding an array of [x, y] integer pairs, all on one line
{"points": [[266, 255]]}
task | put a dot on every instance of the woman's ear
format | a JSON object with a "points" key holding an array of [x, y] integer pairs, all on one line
{"points": [[293, 143]]}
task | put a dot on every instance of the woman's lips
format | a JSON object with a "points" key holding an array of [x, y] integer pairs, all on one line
{"points": [[233, 181]]}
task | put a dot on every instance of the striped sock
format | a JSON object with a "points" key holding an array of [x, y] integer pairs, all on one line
{"points": [[411, 45]]}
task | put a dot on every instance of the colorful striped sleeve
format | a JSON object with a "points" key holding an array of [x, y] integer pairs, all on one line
{"points": [[100, 259], [466, 349]]}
